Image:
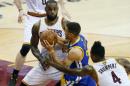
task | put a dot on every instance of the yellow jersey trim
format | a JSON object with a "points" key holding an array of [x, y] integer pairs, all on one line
{"points": [[75, 41]]}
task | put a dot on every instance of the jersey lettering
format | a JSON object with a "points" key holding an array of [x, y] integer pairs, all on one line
{"points": [[59, 32], [115, 78]]}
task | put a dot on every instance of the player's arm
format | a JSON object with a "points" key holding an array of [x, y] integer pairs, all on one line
{"points": [[125, 63], [74, 55], [35, 40], [52, 52], [63, 43], [64, 22], [88, 70], [34, 45], [63, 10], [60, 40], [18, 5]]}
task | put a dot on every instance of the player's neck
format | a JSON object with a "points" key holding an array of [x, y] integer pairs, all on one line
{"points": [[100, 60], [50, 22], [74, 40]]}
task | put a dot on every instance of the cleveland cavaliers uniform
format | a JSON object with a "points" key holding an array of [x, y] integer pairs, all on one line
{"points": [[37, 75], [57, 28], [111, 73], [37, 7]]}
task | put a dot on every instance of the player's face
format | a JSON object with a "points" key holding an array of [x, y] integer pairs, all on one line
{"points": [[67, 34], [51, 11]]}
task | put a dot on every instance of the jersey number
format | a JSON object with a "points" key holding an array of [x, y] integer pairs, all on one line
{"points": [[115, 78]]}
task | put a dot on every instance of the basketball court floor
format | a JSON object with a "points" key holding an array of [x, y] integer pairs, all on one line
{"points": [[107, 21]]}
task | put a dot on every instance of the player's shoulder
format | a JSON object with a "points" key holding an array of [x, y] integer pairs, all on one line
{"points": [[111, 60], [36, 27], [76, 51]]}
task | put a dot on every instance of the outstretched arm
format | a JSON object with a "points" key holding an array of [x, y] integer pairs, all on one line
{"points": [[72, 56], [125, 63], [88, 70]]}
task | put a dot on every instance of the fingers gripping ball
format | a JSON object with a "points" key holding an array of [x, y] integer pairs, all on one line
{"points": [[50, 36]]}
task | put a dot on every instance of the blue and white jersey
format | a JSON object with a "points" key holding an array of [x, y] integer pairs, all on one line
{"points": [[81, 43]]}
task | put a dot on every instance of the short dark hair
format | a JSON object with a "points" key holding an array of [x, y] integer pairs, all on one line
{"points": [[98, 50], [50, 1], [74, 28]]}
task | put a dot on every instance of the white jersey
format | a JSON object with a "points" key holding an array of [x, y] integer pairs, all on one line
{"points": [[36, 5], [111, 73], [57, 27]]}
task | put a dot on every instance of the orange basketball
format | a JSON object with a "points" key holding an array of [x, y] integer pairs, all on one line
{"points": [[49, 35]]}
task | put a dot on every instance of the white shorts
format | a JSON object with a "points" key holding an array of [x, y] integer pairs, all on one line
{"points": [[28, 24], [38, 76]]}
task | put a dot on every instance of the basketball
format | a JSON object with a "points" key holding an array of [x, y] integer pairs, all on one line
{"points": [[49, 35]]}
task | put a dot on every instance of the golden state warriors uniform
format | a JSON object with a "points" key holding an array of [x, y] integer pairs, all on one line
{"points": [[70, 80]]}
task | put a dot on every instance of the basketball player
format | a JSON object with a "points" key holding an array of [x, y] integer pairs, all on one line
{"points": [[36, 11], [111, 72], [53, 22], [77, 56]]}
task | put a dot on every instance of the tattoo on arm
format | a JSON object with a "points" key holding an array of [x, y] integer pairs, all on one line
{"points": [[88, 70], [35, 40], [63, 68]]}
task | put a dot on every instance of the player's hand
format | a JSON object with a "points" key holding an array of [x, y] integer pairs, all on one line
{"points": [[64, 49], [20, 16], [47, 45], [65, 46]]}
